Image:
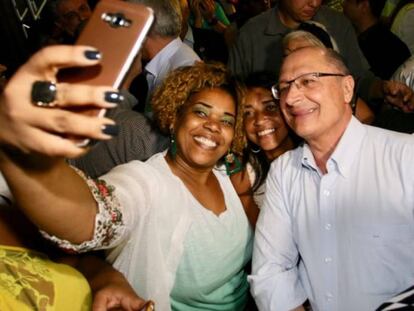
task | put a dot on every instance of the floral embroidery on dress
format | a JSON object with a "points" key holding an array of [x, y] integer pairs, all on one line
{"points": [[109, 224]]}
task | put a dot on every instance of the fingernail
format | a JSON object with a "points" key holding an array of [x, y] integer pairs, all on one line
{"points": [[113, 97], [92, 54], [110, 129]]}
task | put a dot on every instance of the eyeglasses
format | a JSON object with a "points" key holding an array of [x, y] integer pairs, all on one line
{"points": [[307, 81]]}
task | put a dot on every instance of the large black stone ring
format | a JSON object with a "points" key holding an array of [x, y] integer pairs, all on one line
{"points": [[44, 94]]}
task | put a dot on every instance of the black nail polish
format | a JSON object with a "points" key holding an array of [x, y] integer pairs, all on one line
{"points": [[113, 97], [92, 54], [110, 129]]}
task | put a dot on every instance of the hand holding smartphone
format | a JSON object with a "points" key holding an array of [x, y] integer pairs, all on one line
{"points": [[117, 29]]}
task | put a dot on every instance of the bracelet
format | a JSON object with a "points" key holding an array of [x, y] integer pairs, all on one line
{"points": [[213, 21]]}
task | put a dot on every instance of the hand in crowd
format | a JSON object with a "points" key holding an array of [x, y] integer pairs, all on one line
{"points": [[28, 126], [117, 296], [207, 8], [398, 95], [202, 9]]}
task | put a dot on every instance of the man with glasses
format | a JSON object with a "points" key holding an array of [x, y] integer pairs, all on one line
{"points": [[337, 224], [259, 46]]}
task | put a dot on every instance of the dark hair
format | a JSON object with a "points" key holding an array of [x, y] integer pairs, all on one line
{"points": [[318, 32], [181, 83], [376, 7], [337, 60]]}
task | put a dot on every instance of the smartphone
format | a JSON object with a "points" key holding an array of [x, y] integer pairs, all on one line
{"points": [[117, 29]]}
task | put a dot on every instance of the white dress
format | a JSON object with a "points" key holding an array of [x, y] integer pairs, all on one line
{"points": [[145, 223]]}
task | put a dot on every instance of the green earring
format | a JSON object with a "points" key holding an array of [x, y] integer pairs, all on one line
{"points": [[232, 164], [173, 146]]}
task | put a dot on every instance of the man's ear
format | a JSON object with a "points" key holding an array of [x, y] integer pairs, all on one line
{"points": [[348, 85]]}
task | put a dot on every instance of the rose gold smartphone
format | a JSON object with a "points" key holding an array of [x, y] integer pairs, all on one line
{"points": [[117, 29]]}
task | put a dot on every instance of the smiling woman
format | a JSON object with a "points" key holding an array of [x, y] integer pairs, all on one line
{"points": [[173, 225], [267, 135]]}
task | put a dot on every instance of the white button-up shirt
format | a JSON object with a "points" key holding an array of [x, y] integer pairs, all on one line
{"points": [[344, 240]]}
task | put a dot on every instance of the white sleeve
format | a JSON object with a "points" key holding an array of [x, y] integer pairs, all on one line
{"points": [[122, 197]]}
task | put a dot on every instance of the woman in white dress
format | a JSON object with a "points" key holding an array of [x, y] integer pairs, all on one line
{"points": [[174, 224]]}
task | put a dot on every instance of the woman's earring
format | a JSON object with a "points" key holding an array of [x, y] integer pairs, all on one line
{"points": [[173, 146], [255, 151], [232, 164]]}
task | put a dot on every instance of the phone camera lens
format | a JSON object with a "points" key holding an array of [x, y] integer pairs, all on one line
{"points": [[116, 20]]}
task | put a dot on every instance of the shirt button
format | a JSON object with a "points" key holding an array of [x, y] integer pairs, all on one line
{"points": [[326, 192], [328, 226], [328, 259], [328, 296]]}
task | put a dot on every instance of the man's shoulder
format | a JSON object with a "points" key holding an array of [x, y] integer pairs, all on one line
{"points": [[329, 16], [289, 159], [258, 23], [183, 56], [389, 139], [328, 12]]}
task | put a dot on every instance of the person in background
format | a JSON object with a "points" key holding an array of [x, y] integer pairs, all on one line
{"points": [[186, 33], [208, 14], [173, 225], [209, 25], [405, 73], [246, 9], [60, 23], [162, 51], [374, 36], [35, 275], [401, 22], [230, 8], [137, 137], [330, 224]]}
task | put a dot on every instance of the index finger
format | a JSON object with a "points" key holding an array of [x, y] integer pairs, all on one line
{"points": [[51, 58]]}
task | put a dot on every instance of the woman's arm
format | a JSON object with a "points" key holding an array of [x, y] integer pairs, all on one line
{"points": [[109, 287], [50, 193], [241, 184]]}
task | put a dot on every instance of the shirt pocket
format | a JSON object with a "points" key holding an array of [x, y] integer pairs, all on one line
{"points": [[383, 258]]}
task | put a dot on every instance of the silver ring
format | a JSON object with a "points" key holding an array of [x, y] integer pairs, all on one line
{"points": [[44, 94]]}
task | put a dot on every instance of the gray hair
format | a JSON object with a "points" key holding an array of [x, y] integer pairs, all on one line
{"points": [[168, 16], [301, 34], [312, 38], [337, 60]]}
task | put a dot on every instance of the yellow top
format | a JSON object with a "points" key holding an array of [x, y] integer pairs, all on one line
{"points": [[30, 281]]}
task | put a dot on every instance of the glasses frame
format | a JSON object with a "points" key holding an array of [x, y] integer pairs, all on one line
{"points": [[275, 87]]}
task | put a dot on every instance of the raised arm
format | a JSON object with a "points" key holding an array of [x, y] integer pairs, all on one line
{"points": [[49, 192]]}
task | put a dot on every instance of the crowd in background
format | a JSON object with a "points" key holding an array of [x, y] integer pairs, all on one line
{"points": [[256, 157]]}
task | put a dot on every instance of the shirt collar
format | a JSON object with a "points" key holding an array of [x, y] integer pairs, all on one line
{"points": [[345, 152], [157, 64]]}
